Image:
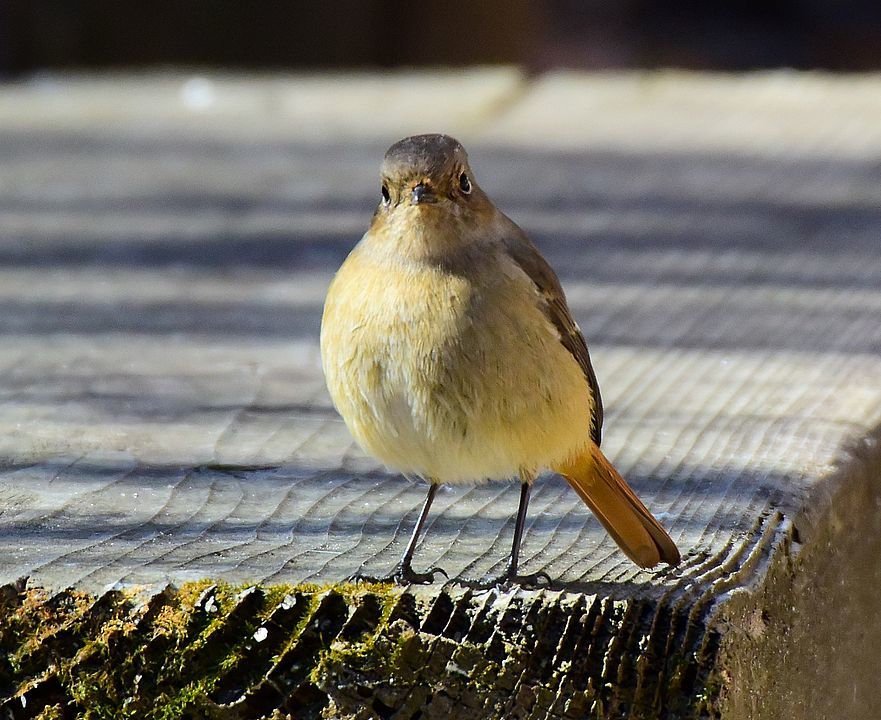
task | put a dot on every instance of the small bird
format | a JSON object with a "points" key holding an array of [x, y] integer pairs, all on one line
{"points": [[451, 354]]}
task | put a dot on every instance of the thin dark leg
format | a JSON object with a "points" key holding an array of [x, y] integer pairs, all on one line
{"points": [[518, 529], [417, 531], [403, 572], [511, 576]]}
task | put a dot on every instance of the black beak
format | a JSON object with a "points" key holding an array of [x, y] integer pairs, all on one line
{"points": [[422, 194]]}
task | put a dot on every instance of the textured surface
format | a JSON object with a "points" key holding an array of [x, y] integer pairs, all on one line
{"points": [[804, 642], [359, 653], [162, 269]]}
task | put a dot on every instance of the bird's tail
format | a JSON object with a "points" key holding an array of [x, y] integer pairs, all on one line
{"points": [[608, 495]]}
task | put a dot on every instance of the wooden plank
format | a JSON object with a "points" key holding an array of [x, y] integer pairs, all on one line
{"points": [[164, 417], [775, 114], [301, 107]]}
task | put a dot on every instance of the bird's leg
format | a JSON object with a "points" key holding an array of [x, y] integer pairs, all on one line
{"points": [[511, 576], [514, 558], [404, 572]]}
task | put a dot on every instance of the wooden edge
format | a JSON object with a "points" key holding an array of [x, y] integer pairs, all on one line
{"points": [[804, 641]]}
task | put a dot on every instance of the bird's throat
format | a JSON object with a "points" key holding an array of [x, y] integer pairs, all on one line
{"points": [[420, 232]]}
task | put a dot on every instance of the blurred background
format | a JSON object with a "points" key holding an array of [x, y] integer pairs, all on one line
{"points": [[589, 34]]}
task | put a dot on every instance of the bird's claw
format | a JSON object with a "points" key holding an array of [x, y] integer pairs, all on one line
{"points": [[533, 581], [409, 576], [403, 575]]}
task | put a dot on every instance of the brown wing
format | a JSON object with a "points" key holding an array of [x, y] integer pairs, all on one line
{"points": [[527, 256]]}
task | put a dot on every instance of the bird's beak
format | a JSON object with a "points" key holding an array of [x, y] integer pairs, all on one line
{"points": [[421, 193]]}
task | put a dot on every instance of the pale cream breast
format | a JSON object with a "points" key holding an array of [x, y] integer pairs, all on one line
{"points": [[450, 370]]}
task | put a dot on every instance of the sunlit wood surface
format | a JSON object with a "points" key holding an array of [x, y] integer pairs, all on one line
{"points": [[165, 246]]}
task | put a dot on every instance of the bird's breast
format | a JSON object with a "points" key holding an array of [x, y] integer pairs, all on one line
{"points": [[451, 374]]}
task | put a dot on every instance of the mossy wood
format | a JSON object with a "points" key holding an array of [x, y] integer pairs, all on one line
{"points": [[348, 651]]}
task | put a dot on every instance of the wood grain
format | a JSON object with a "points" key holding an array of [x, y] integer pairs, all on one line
{"points": [[164, 417]]}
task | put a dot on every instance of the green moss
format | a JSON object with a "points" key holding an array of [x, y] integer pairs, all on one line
{"points": [[53, 712], [363, 653], [128, 667], [158, 668], [170, 657]]}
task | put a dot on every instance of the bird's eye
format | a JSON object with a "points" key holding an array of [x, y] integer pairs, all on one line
{"points": [[386, 198], [464, 184]]}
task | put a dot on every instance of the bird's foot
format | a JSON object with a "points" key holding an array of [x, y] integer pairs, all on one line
{"points": [[403, 574], [532, 581], [508, 579]]}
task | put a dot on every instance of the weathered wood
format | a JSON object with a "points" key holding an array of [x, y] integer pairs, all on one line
{"points": [[165, 419], [804, 642], [353, 651]]}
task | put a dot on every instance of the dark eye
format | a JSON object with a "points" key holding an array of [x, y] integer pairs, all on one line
{"points": [[386, 198], [464, 184]]}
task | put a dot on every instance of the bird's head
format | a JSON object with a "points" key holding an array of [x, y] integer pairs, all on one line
{"points": [[428, 174]]}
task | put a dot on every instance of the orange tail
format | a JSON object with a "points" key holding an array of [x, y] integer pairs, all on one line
{"points": [[616, 506]]}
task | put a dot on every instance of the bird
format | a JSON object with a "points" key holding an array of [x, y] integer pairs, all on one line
{"points": [[450, 352]]}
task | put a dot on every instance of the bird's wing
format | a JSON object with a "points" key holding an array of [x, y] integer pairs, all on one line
{"points": [[527, 256]]}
